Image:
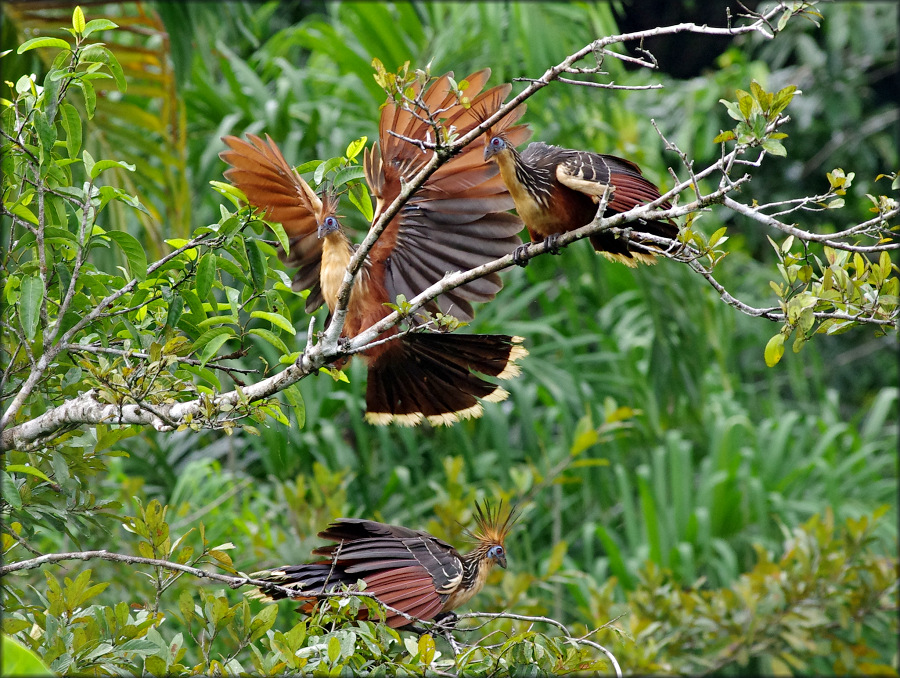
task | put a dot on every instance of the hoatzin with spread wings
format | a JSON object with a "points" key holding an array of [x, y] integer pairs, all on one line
{"points": [[410, 570], [457, 220], [557, 190]]}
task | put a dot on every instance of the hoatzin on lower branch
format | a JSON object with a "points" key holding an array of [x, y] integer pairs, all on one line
{"points": [[457, 220], [410, 570], [558, 190]]}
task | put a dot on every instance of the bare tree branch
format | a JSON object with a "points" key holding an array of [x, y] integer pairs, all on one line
{"points": [[771, 222]]}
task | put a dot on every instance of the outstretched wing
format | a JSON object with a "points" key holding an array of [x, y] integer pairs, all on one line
{"points": [[270, 183], [459, 218]]}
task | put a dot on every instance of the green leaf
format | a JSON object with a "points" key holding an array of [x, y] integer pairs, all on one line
{"points": [[71, 123], [334, 649], [206, 271], [97, 25], [176, 308], [18, 660], [727, 135], [133, 250], [30, 299], [257, 264], [426, 648], [784, 18], [359, 196], [46, 134], [717, 236], [23, 212], [348, 174], [276, 319], [295, 398], [209, 335], [271, 338], [326, 167], [90, 97], [774, 147], [10, 491], [774, 350], [782, 98], [88, 160], [233, 193], [355, 147], [101, 54], [23, 468], [212, 347], [78, 20], [102, 165], [280, 234], [262, 622], [34, 43], [757, 92], [308, 166]]}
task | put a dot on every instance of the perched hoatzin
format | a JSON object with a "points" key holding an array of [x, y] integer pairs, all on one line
{"points": [[410, 570], [558, 190], [457, 220]]}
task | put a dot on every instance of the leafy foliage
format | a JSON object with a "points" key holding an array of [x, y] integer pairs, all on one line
{"points": [[651, 446]]}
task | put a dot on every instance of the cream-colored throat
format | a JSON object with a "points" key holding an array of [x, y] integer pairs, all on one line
{"points": [[336, 254], [527, 207]]}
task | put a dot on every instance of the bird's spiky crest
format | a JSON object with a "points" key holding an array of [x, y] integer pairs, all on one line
{"points": [[330, 201], [499, 129], [489, 527]]}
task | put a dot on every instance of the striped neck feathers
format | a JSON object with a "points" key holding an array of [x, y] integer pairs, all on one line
{"points": [[525, 182], [476, 568]]}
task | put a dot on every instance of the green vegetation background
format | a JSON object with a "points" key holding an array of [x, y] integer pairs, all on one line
{"points": [[645, 425]]}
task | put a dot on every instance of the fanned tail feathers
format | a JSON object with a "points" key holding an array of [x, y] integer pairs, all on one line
{"points": [[432, 376], [632, 190]]}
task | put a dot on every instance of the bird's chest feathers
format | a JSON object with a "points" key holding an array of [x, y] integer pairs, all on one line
{"points": [[463, 593], [335, 259], [545, 205]]}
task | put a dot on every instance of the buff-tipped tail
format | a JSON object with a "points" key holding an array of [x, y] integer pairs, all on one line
{"points": [[437, 377]]}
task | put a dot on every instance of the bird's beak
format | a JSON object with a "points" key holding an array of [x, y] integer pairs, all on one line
{"points": [[501, 561], [489, 152]]}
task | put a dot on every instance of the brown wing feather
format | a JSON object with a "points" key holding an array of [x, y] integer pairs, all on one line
{"points": [[270, 183], [631, 190], [463, 192], [401, 157]]}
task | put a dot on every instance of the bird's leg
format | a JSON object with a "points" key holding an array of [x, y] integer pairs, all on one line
{"points": [[519, 254], [447, 620], [552, 241], [445, 623]]}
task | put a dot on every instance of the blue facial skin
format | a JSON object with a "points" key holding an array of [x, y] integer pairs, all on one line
{"points": [[330, 225], [496, 552], [494, 146]]}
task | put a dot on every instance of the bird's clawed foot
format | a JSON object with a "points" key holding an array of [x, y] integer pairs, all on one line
{"points": [[519, 258], [443, 623], [446, 620], [552, 241]]}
